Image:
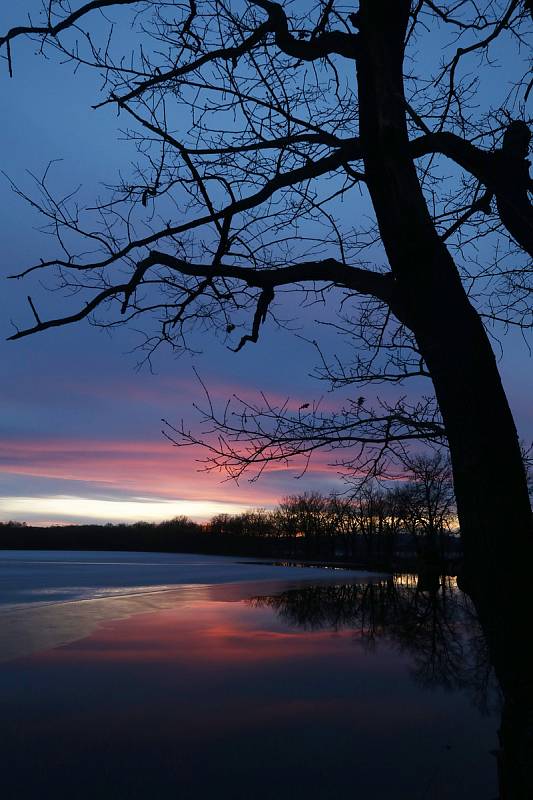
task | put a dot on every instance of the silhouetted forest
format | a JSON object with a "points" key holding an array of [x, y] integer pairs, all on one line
{"points": [[377, 527]]}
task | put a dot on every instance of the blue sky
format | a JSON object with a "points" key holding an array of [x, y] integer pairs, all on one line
{"points": [[78, 387], [80, 430]]}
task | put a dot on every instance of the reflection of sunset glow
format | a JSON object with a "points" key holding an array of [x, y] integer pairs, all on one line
{"points": [[211, 698], [216, 633]]}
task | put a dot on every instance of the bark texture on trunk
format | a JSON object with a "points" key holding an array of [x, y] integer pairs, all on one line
{"points": [[489, 479]]}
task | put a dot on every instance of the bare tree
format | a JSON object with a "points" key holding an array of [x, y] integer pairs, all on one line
{"points": [[283, 116], [305, 515], [240, 202], [427, 501], [369, 509]]}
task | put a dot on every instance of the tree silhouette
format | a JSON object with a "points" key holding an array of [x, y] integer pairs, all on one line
{"points": [[439, 629], [257, 124]]}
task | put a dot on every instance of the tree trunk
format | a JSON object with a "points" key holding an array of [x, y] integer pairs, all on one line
{"points": [[490, 484], [489, 478]]}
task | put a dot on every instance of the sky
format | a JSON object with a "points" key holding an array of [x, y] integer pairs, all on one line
{"points": [[80, 427]]}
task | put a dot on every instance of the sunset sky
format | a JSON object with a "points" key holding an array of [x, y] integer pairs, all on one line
{"points": [[80, 428]]}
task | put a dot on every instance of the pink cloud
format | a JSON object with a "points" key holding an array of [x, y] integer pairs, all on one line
{"points": [[145, 468]]}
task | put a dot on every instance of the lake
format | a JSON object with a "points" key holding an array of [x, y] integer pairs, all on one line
{"points": [[142, 675]]}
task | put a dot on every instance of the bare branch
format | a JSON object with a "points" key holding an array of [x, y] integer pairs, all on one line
{"points": [[67, 22]]}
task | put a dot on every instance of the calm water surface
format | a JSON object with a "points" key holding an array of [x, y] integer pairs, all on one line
{"points": [[168, 676]]}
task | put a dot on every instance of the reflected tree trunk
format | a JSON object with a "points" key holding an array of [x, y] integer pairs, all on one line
{"points": [[507, 623]]}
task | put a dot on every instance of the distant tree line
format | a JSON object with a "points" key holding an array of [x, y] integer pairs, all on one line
{"points": [[373, 525]]}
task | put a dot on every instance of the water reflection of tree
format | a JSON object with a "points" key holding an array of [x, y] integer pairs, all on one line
{"points": [[437, 628]]}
